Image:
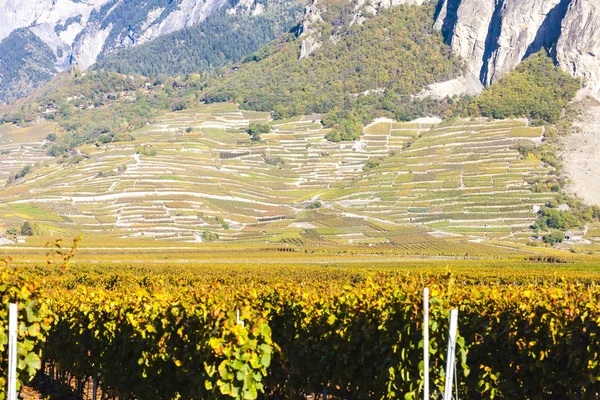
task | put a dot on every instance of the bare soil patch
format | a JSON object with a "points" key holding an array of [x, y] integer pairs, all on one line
{"points": [[581, 154]]}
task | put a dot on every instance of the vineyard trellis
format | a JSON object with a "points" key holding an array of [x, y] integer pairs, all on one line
{"points": [[365, 324]]}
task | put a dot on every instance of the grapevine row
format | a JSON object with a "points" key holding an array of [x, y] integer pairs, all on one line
{"points": [[354, 334]]}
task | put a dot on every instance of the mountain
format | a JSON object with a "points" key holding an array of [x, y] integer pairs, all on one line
{"points": [[195, 172], [494, 36], [25, 60], [224, 37], [491, 36], [75, 32]]}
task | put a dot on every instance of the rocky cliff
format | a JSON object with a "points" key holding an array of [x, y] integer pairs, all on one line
{"points": [[494, 36], [578, 48]]}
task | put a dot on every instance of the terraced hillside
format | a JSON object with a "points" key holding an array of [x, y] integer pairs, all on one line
{"points": [[463, 178], [21, 147], [196, 173]]}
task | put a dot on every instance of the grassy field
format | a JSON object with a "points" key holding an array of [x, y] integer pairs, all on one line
{"points": [[407, 249]]}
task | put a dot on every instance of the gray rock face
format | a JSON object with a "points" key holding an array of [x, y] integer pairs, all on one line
{"points": [[312, 17], [578, 48], [80, 31], [465, 26], [467, 84], [15, 14], [494, 36]]}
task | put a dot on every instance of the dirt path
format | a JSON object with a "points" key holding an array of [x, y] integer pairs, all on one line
{"points": [[581, 155]]}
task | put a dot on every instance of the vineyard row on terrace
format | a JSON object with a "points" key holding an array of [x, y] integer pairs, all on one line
{"points": [[356, 333]]}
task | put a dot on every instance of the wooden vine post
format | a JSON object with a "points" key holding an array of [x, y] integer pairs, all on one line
{"points": [[12, 351], [426, 344], [237, 318], [451, 357]]}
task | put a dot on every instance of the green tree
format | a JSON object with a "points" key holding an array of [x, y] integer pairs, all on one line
{"points": [[255, 130], [345, 131], [554, 237], [314, 205], [27, 229]]}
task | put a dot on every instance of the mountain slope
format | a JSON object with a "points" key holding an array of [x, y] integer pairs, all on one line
{"points": [[224, 37], [89, 29], [492, 36], [198, 171], [25, 63], [78, 33], [536, 89], [360, 69]]}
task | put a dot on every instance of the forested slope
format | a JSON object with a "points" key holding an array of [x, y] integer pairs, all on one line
{"points": [[536, 89], [223, 38], [361, 71], [25, 64]]}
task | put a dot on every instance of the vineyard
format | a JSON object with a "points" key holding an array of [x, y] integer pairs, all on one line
{"points": [[20, 147], [464, 179], [526, 331]]}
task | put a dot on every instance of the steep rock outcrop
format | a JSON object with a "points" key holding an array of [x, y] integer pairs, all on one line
{"points": [[312, 17], [578, 48], [15, 14], [494, 36], [466, 25]]}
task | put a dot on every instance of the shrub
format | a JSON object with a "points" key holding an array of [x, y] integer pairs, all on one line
{"points": [[554, 237], [255, 131], [273, 160], [24, 171], [373, 163], [314, 205], [222, 222], [112, 137], [146, 150], [210, 236]]}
